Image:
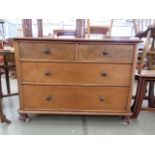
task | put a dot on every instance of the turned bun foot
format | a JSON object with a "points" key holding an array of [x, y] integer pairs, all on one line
{"points": [[126, 120], [23, 117]]}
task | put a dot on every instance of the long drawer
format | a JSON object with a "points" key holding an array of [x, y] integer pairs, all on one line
{"points": [[76, 73], [74, 98], [47, 51], [106, 53]]}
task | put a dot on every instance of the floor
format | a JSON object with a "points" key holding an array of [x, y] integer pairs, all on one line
{"points": [[71, 125]]}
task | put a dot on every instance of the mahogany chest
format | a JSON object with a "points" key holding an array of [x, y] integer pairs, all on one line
{"points": [[75, 76]]}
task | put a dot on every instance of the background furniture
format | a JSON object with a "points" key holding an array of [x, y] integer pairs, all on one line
{"points": [[3, 118], [61, 32], [7, 66], [27, 27], [140, 25], [84, 29], [79, 32], [8, 57], [105, 30], [40, 27], [146, 76], [74, 76], [4, 66]]}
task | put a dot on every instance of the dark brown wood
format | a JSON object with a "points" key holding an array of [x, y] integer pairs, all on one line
{"points": [[23, 117], [8, 95], [62, 32], [145, 76], [40, 27], [8, 64], [113, 40], [27, 27], [99, 30], [144, 33], [72, 78], [137, 105], [141, 89], [151, 100], [80, 28], [126, 120], [148, 109], [3, 118], [6, 69]]}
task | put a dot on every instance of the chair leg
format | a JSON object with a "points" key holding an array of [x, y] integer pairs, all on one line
{"points": [[151, 100], [139, 98], [3, 118], [133, 107], [7, 81], [6, 70], [1, 93]]}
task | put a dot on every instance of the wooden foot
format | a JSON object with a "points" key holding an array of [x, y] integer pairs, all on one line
{"points": [[23, 117], [5, 120], [126, 120]]}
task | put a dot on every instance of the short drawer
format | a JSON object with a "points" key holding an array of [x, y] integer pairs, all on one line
{"points": [[47, 51], [106, 53], [112, 99], [76, 73]]}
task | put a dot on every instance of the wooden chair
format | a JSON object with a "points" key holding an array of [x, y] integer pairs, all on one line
{"points": [[3, 118], [145, 77], [82, 31], [7, 65], [1, 48], [61, 32], [103, 30], [77, 33]]}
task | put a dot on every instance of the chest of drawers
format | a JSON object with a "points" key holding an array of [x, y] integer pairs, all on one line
{"points": [[75, 76]]}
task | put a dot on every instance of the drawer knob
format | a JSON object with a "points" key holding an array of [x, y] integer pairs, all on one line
{"points": [[104, 53], [47, 73], [102, 98], [48, 98], [46, 51], [103, 74]]}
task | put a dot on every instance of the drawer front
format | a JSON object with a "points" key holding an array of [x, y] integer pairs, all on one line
{"points": [[75, 98], [47, 51], [76, 73], [107, 53]]}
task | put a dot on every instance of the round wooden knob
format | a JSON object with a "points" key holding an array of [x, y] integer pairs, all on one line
{"points": [[46, 51], [104, 53], [102, 98], [103, 74], [48, 98], [47, 73]]}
